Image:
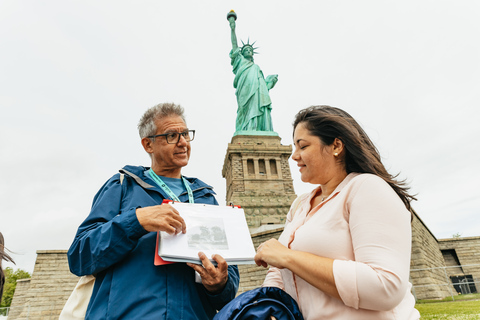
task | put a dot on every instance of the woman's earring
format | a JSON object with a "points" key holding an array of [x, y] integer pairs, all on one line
{"points": [[335, 154]]}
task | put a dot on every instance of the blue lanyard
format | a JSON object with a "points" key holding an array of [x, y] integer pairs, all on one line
{"points": [[169, 191]]}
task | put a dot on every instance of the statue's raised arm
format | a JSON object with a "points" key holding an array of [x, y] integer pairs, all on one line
{"points": [[253, 99], [231, 17]]}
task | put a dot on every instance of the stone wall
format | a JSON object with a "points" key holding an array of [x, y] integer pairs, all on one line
{"points": [[468, 252], [19, 298], [427, 273], [44, 295]]}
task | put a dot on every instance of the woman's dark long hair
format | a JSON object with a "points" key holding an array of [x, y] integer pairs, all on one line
{"points": [[6, 257], [361, 155]]}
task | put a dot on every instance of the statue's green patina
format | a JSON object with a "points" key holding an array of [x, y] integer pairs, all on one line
{"points": [[253, 99]]}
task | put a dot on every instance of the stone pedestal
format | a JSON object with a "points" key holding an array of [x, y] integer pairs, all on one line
{"points": [[258, 178]]}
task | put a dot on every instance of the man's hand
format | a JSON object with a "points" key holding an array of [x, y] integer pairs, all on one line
{"points": [[213, 278], [161, 218]]}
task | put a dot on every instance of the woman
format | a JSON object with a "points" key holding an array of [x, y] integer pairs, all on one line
{"points": [[6, 257], [345, 249]]}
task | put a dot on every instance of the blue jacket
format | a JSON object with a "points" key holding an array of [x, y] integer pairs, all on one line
{"points": [[260, 304], [113, 246]]}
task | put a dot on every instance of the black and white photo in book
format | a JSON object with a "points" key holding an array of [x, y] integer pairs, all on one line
{"points": [[211, 229], [207, 233]]}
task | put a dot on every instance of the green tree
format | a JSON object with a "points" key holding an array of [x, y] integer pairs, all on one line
{"points": [[11, 278]]}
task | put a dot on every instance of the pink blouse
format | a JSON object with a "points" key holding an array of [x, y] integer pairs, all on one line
{"points": [[365, 227]]}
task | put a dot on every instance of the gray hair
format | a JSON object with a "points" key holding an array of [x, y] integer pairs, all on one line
{"points": [[147, 126]]}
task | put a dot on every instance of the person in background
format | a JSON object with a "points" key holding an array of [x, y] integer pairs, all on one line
{"points": [[6, 257], [345, 249], [116, 242]]}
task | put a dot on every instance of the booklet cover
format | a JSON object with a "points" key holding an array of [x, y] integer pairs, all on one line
{"points": [[211, 229]]}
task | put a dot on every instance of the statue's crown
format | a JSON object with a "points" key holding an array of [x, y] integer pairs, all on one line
{"points": [[248, 44]]}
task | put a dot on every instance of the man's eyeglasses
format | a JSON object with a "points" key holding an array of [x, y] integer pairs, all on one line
{"points": [[174, 137]]}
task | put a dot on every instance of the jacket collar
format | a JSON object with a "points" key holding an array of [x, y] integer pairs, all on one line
{"points": [[138, 174]]}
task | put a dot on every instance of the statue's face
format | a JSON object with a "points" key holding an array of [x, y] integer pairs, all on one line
{"points": [[247, 52]]}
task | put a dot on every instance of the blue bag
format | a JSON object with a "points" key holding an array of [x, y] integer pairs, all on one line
{"points": [[260, 304]]}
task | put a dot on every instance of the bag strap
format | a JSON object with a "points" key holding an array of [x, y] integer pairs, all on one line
{"points": [[136, 178], [76, 306]]}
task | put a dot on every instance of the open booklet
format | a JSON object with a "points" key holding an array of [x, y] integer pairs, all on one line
{"points": [[211, 229]]}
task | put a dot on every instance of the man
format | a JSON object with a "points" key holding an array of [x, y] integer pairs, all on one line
{"points": [[116, 242]]}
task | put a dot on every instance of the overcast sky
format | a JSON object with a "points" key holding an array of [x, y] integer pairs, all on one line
{"points": [[76, 76]]}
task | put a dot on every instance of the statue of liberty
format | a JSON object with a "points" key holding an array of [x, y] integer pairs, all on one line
{"points": [[253, 99]]}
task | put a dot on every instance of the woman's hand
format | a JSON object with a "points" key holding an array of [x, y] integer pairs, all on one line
{"points": [[273, 253], [316, 270]]}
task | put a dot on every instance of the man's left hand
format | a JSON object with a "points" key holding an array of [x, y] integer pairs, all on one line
{"points": [[214, 278]]}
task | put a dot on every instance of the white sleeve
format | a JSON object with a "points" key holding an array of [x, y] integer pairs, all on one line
{"points": [[273, 278], [380, 229]]}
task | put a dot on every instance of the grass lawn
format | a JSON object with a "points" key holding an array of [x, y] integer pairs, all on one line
{"points": [[454, 310]]}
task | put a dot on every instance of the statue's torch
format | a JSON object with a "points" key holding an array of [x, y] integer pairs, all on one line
{"points": [[231, 15]]}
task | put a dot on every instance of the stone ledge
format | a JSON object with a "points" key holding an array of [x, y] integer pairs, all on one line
{"points": [[266, 232], [458, 239], [52, 251]]}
